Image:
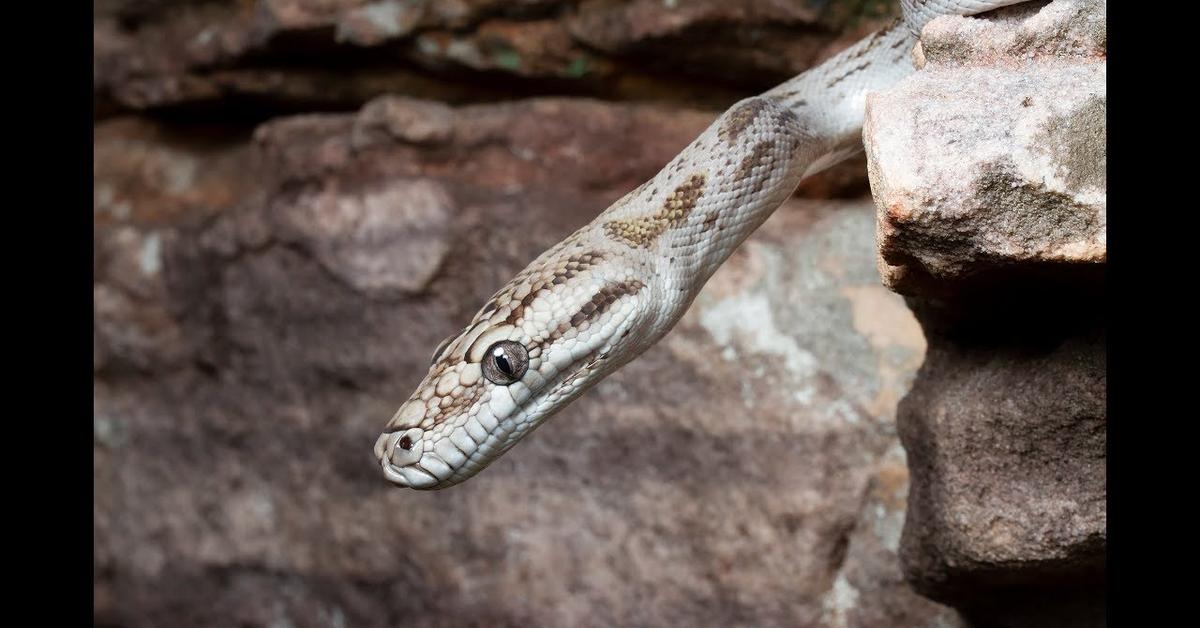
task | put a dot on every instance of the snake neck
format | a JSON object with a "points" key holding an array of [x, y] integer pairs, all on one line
{"points": [[681, 225], [831, 97]]}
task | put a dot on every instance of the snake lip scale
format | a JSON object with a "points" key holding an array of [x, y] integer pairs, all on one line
{"points": [[612, 289]]}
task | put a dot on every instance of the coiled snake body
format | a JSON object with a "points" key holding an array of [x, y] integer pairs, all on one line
{"points": [[612, 289]]}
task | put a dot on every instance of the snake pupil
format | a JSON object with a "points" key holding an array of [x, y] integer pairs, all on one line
{"points": [[505, 362]]}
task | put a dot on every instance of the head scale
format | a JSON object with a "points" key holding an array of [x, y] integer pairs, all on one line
{"points": [[544, 339]]}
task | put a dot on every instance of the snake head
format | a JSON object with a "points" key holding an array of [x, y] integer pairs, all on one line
{"points": [[540, 342]]}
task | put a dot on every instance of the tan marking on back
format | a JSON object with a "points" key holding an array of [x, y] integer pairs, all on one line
{"points": [[760, 155], [540, 272], [550, 277], [602, 300], [644, 230], [740, 118], [858, 68]]}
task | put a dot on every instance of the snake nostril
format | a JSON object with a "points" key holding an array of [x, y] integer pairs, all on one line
{"points": [[405, 443]]}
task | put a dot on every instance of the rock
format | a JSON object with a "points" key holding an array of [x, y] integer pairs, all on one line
{"points": [[263, 58], [1006, 445], [407, 119], [386, 239], [1045, 31], [869, 589], [712, 39], [375, 23], [149, 180], [745, 471], [986, 170]]}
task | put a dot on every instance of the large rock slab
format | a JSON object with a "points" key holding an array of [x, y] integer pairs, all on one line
{"points": [[989, 164], [268, 300]]}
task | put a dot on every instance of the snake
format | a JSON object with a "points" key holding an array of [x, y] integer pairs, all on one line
{"points": [[613, 288]]}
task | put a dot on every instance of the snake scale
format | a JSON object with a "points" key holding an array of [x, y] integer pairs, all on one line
{"points": [[609, 291]]}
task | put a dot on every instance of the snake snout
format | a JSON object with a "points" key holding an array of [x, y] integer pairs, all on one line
{"points": [[383, 452], [383, 446], [399, 454]]}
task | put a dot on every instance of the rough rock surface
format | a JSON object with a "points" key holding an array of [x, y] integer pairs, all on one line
{"points": [[1006, 443], [296, 55], [992, 158], [264, 302], [988, 168]]}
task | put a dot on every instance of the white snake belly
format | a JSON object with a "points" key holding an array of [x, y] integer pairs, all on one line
{"points": [[612, 289]]}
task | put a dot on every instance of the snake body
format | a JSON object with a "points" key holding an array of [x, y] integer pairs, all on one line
{"points": [[609, 291]]}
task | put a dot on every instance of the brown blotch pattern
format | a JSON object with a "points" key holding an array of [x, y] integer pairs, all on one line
{"points": [[858, 68], [602, 300], [539, 280], [759, 156], [458, 403], [574, 265], [740, 118], [644, 230], [597, 305]]}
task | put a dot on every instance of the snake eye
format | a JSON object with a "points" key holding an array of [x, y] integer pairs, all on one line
{"points": [[505, 362]]}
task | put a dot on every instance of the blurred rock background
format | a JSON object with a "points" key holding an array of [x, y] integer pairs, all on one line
{"points": [[296, 200]]}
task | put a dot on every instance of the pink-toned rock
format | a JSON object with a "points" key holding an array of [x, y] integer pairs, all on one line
{"points": [[381, 240], [1075, 30], [991, 159], [404, 119]]}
